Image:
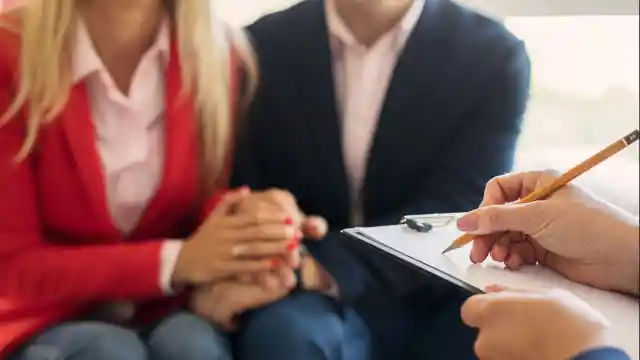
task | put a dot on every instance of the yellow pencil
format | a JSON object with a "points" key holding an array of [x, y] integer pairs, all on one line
{"points": [[562, 180]]}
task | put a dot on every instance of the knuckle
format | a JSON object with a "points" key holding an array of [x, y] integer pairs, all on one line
{"points": [[495, 180], [259, 215], [287, 195], [492, 217], [272, 192], [262, 229], [258, 249], [551, 173], [252, 233], [262, 207]]}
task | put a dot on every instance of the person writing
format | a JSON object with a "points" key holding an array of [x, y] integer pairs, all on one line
{"points": [[573, 233]]}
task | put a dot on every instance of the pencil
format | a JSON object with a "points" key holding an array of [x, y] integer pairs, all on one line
{"points": [[562, 180]]}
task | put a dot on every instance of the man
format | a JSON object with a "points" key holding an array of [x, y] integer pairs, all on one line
{"points": [[370, 110], [582, 238]]}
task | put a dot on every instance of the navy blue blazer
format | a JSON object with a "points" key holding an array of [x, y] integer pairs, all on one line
{"points": [[449, 124]]}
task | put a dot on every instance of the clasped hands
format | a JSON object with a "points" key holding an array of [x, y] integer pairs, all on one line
{"points": [[245, 253]]}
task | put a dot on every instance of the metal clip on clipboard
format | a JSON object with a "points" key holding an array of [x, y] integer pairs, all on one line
{"points": [[426, 223]]}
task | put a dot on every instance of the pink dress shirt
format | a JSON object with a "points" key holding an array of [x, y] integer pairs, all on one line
{"points": [[361, 76], [130, 131]]}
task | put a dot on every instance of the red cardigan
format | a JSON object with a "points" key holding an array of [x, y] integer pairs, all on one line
{"points": [[60, 253]]}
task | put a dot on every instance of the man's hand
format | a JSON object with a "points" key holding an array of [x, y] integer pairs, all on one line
{"points": [[315, 278], [222, 303], [555, 325]]}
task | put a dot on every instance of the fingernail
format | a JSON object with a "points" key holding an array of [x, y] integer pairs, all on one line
{"points": [[298, 236], [292, 245], [288, 220], [468, 223], [276, 263]]}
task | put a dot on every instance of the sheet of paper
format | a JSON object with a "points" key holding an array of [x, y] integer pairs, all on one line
{"points": [[426, 248]]}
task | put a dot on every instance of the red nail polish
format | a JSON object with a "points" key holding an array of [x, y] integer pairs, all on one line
{"points": [[288, 220], [298, 236], [276, 263], [292, 245]]}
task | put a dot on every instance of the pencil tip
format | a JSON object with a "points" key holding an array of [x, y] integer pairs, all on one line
{"points": [[450, 248]]}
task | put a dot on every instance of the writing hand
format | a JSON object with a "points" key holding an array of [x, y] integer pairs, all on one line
{"points": [[572, 232]]}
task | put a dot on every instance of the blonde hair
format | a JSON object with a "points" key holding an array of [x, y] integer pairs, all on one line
{"points": [[47, 29]]}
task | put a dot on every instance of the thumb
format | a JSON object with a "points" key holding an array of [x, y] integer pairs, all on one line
{"points": [[314, 227], [524, 218], [230, 200]]}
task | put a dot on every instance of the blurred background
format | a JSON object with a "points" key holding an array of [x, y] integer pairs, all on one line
{"points": [[585, 59]]}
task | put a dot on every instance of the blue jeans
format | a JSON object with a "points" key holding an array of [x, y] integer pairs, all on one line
{"points": [[302, 326], [423, 326], [305, 326], [179, 336]]}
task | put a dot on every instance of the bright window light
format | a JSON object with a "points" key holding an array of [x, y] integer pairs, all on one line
{"points": [[584, 96]]}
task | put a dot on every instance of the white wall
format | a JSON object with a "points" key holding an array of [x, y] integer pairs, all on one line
{"points": [[241, 12], [554, 7]]}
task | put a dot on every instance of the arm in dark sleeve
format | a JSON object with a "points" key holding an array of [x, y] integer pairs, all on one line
{"points": [[482, 148], [603, 354], [336, 254]]}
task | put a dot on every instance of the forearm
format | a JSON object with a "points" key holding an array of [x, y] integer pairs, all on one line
{"points": [[73, 274]]}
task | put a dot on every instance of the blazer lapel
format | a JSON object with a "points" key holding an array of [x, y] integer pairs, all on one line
{"points": [[314, 82], [415, 80], [77, 124], [180, 173]]}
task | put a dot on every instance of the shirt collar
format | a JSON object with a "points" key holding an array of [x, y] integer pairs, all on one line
{"points": [[340, 31], [86, 60]]}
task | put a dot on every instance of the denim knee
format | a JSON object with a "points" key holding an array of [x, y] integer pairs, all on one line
{"points": [[302, 326], [185, 335], [85, 341]]}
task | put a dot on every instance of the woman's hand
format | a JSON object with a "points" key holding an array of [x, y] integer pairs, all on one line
{"points": [[314, 277], [222, 303], [555, 325], [230, 244], [312, 227], [587, 240]]}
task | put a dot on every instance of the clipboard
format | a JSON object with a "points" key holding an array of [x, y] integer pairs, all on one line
{"points": [[411, 261]]}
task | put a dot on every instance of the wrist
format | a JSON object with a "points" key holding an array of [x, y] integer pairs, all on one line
{"points": [[180, 276], [600, 341], [629, 262]]}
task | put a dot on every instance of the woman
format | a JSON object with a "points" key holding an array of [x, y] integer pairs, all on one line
{"points": [[117, 116]]}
